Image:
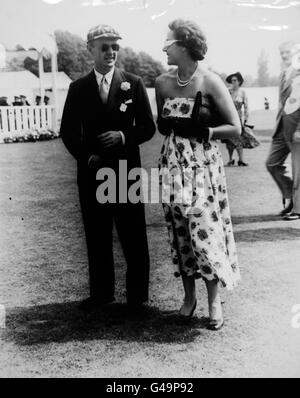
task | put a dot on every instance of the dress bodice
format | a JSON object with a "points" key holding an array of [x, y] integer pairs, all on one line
{"points": [[238, 101], [182, 107]]}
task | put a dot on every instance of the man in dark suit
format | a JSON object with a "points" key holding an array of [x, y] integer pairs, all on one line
{"points": [[106, 117]]}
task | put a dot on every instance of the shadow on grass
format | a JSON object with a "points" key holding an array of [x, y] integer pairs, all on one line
{"points": [[65, 322], [235, 220], [255, 218], [267, 234]]}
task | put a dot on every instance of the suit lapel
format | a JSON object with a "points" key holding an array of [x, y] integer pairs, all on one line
{"points": [[286, 90], [288, 81], [117, 79]]}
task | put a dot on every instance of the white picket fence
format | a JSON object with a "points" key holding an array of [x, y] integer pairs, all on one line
{"points": [[15, 119]]}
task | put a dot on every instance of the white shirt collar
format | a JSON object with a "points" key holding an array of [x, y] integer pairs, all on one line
{"points": [[108, 76]]}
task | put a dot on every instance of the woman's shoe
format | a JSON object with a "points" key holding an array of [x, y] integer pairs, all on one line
{"points": [[230, 163], [189, 316], [216, 320], [288, 207], [240, 163]]}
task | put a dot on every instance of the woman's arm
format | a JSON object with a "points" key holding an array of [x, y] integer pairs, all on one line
{"points": [[246, 106], [164, 126], [158, 95], [231, 126]]}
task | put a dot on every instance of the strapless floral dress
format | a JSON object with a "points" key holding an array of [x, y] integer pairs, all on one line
{"points": [[199, 226]]}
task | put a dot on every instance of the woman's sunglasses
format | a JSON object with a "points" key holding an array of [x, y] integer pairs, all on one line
{"points": [[169, 43], [105, 47]]}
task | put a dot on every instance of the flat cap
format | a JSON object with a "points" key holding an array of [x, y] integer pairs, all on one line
{"points": [[102, 31]]}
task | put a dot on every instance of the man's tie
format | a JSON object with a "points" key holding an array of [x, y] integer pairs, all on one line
{"points": [[282, 80], [103, 90]]}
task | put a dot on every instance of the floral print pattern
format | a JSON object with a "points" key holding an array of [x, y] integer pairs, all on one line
{"points": [[200, 228]]}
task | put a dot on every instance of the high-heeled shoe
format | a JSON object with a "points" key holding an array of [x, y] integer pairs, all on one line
{"points": [[189, 316], [240, 163], [216, 320]]}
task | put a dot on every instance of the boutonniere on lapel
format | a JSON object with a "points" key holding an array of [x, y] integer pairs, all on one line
{"points": [[125, 87]]}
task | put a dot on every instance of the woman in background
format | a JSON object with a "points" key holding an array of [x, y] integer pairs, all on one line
{"points": [[240, 101], [199, 225]]}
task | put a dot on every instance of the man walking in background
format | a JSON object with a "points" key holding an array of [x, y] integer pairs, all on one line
{"points": [[106, 117], [284, 139]]}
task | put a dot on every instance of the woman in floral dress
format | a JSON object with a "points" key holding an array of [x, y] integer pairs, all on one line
{"points": [[240, 101], [197, 212]]}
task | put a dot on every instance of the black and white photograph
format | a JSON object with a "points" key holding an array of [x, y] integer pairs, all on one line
{"points": [[149, 191]]}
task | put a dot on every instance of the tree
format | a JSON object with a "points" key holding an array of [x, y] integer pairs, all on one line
{"points": [[128, 60], [75, 60], [149, 69], [73, 57], [141, 64], [262, 71]]}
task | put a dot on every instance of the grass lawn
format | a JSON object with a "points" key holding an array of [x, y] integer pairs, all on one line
{"points": [[43, 276]]}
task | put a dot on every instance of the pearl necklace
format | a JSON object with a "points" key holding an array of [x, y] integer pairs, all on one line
{"points": [[184, 83]]}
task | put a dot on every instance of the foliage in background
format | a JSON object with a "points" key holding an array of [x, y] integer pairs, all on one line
{"points": [[74, 59], [263, 77]]}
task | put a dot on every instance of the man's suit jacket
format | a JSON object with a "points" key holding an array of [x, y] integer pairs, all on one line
{"points": [[291, 110], [85, 117], [284, 93]]}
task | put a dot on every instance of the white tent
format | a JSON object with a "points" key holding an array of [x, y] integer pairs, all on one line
{"points": [[18, 83]]}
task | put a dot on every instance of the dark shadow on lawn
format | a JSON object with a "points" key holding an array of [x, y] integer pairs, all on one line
{"points": [[255, 218], [65, 322], [235, 220], [267, 234]]}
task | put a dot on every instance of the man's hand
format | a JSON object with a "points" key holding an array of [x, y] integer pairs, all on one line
{"points": [[109, 139], [94, 161]]}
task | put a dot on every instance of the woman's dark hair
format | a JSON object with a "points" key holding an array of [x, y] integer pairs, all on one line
{"points": [[191, 37]]}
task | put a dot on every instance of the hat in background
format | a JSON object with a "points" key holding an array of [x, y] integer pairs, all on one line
{"points": [[100, 31], [237, 75]]}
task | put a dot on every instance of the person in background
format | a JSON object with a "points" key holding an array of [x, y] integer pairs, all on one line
{"points": [[266, 103], [46, 100], [240, 101], [284, 139], [23, 100], [3, 101], [38, 100], [17, 101], [199, 225]]}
